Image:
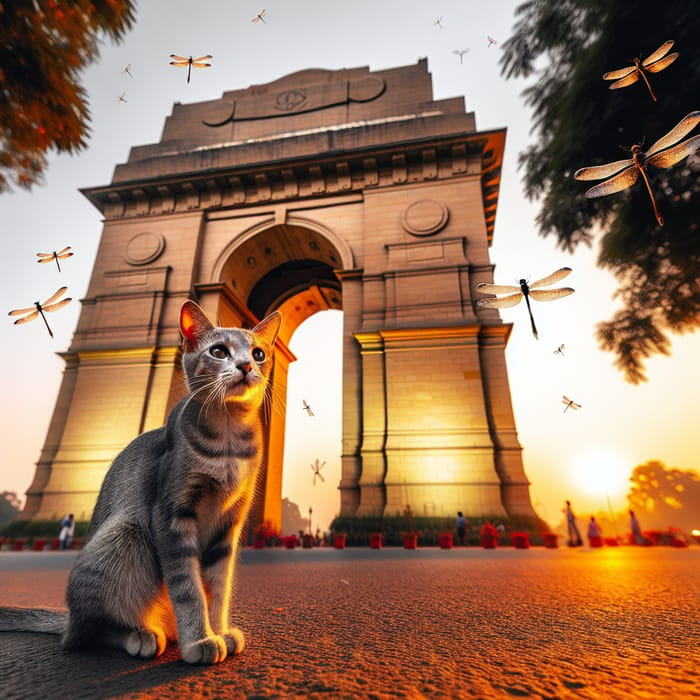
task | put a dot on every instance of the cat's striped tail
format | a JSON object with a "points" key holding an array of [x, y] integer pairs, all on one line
{"points": [[47, 620]]}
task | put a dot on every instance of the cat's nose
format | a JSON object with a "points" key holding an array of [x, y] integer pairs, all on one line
{"points": [[244, 367]]}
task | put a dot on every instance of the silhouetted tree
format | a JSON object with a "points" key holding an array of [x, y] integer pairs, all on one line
{"points": [[568, 45], [44, 45], [668, 495]]}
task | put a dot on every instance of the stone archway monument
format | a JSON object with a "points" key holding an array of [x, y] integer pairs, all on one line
{"points": [[349, 189]]}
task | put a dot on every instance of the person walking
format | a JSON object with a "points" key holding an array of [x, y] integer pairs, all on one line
{"points": [[461, 528], [635, 527], [67, 530], [574, 534]]}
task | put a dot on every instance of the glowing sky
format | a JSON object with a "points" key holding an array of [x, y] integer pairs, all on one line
{"points": [[577, 455]]}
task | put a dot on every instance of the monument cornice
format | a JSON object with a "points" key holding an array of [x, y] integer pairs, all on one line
{"points": [[232, 184]]}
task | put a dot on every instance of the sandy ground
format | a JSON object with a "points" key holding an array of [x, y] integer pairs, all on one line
{"points": [[464, 623]]}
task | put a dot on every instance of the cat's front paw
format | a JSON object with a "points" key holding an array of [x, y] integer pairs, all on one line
{"points": [[210, 650], [235, 641], [145, 643]]}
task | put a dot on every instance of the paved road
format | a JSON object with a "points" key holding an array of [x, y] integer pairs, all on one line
{"points": [[430, 623]]}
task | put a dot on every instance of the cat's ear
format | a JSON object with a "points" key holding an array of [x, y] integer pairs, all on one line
{"points": [[194, 324], [269, 327]]}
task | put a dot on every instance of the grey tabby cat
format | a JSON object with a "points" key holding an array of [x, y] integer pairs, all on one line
{"points": [[160, 556]]}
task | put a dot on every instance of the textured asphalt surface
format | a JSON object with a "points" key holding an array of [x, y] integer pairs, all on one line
{"points": [[392, 623]]}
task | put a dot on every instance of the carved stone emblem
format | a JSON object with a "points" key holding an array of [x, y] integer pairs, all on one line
{"points": [[144, 248], [289, 100], [425, 217]]}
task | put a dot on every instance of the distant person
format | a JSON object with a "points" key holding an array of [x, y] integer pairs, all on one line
{"points": [[574, 535], [461, 528], [594, 531], [637, 537], [65, 538]]}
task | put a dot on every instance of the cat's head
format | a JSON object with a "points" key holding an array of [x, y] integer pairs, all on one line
{"points": [[227, 365]]}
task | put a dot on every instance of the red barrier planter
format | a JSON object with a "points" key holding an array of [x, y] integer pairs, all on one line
{"points": [[375, 540]]}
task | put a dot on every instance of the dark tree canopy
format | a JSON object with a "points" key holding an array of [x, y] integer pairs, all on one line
{"points": [[44, 45], [668, 496], [567, 46]]}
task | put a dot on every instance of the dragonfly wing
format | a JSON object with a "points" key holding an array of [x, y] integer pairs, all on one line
{"points": [[202, 58], [684, 126], [661, 51], [598, 172], [663, 63], [26, 319], [180, 63], [667, 158], [48, 259], [486, 288], [629, 80], [21, 312], [551, 279], [550, 294], [502, 303], [201, 65], [64, 251], [620, 73], [55, 296], [58, 305], [179, 58], [620, 182]]}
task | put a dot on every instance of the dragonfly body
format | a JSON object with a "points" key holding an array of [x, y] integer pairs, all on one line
{"points": [[307, 408], [560, 350], [55, 256], [316, 468], [569, 404], [624, 173], [491, 41], [514, 294], [460, 53], [127, 71], [122, 97], [259, 18], [653, 63], [51, 304], [190, 62]]}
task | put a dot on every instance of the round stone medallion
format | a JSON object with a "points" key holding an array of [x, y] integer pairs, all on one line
{"points": [[425, 217], [144, 248]]}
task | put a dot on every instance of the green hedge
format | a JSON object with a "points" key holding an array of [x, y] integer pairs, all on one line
{"points": [[41, 528], [359, 528]]}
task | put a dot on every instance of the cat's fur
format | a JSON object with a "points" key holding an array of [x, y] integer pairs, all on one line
{"points": [[160, 555]]}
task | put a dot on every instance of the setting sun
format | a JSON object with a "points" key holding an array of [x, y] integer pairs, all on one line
{"points": [[602, 472]]}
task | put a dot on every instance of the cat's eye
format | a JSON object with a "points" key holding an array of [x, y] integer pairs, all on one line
{"points": [[258, 354], [219, 352]]}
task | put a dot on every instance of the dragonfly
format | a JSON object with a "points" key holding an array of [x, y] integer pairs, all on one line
{"points": [[491, 41], [560, 350], [653, 63], [259, 18], [438, 22], [460, 53], [51, 304], [624, 173], [190, 62], [316, 468], [127, 71], [307, 408], [60, 255], [570, 404], [122, 97], [515, 294]]}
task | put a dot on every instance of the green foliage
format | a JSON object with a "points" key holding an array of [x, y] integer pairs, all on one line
{"points": [[392, 527], [566, 46], [44, 45], [41, 528]]}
